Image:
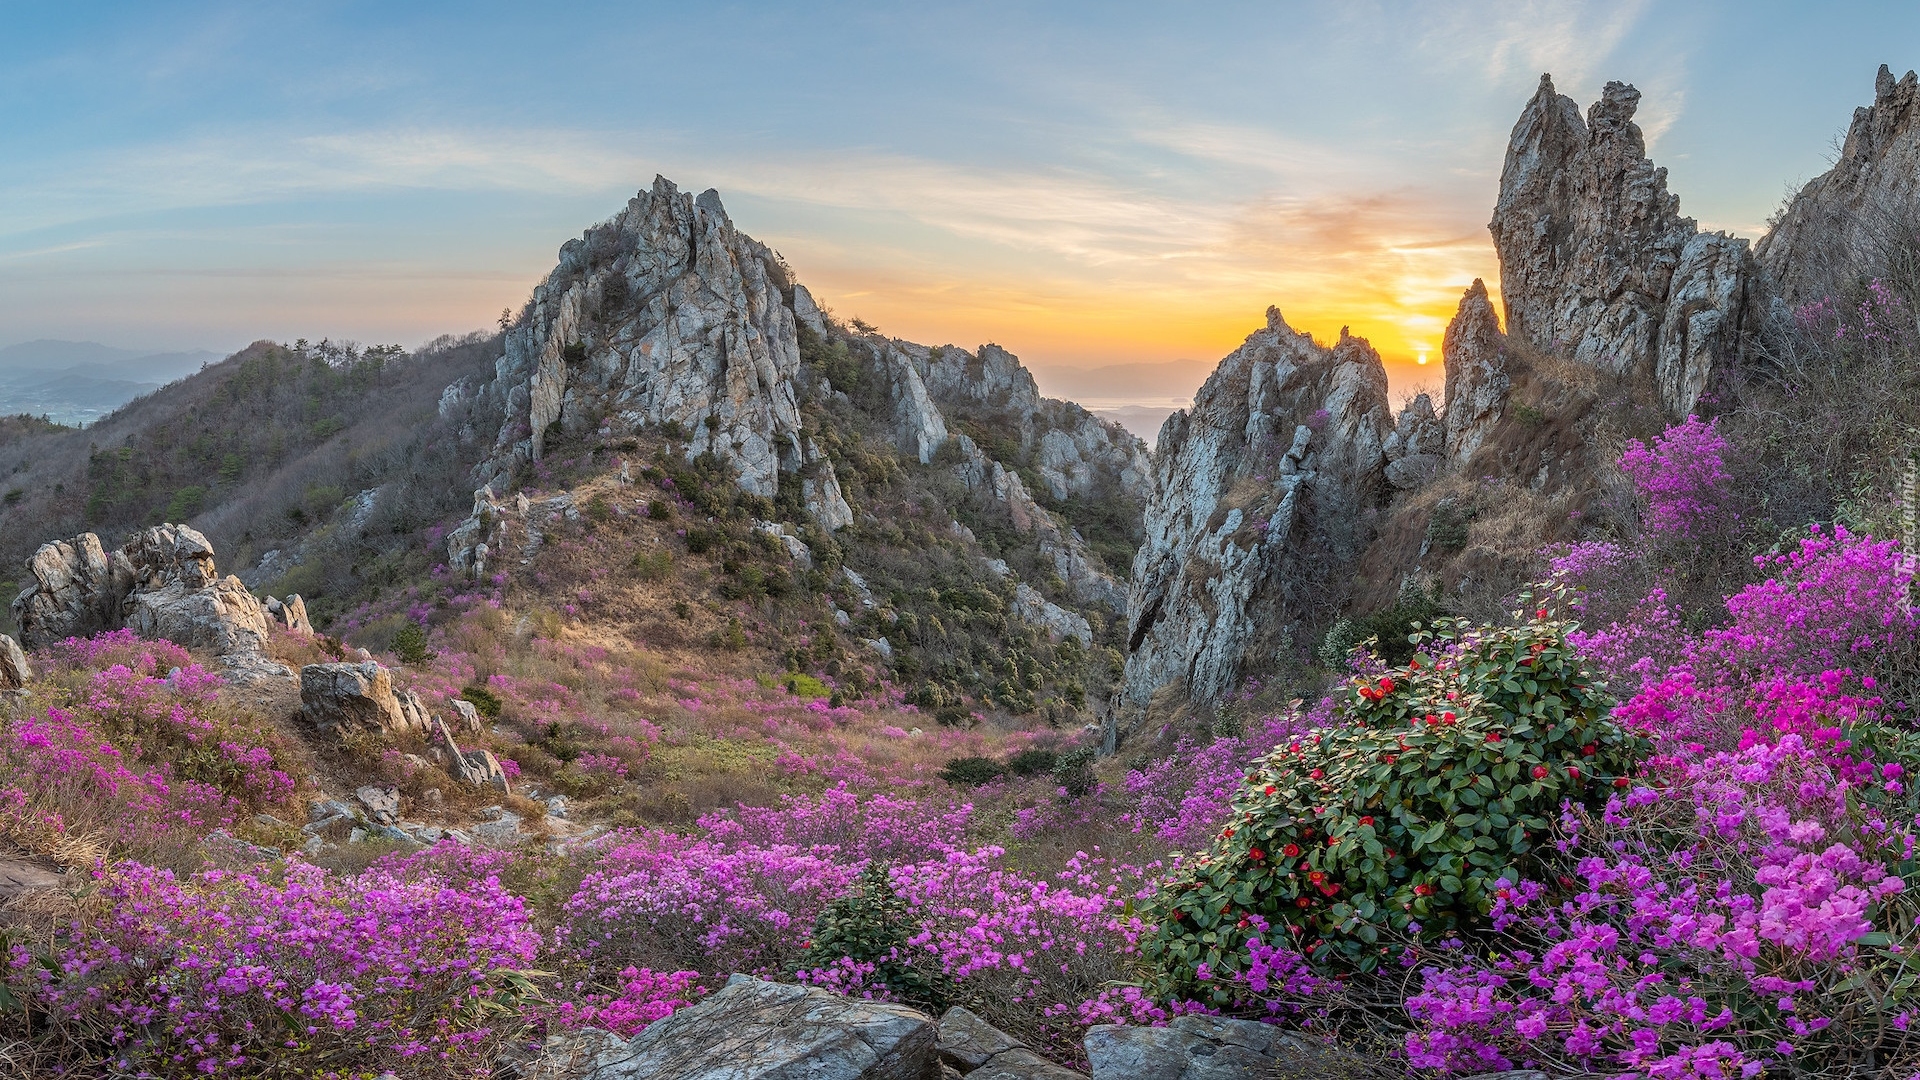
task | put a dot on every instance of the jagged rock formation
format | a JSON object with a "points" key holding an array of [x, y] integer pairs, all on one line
{"points": [[665, 315], [161, 584], [1856, 208], [1596, 260], [341, 698], [668, 319], [1259, 501], [290, 613], [1475, 354], [1417, 446]]}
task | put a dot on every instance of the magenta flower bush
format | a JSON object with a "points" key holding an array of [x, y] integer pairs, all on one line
{"points": [[229, 974], [1729, 914], [1684, 479]]}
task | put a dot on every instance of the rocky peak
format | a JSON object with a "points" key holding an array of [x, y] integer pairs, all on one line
{"points": [[1596, 260], [1258, 508], [1475, 354], [666, 315], [1848, 210]]}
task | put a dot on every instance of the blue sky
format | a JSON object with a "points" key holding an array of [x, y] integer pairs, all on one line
{"points": [[1083, 183]]}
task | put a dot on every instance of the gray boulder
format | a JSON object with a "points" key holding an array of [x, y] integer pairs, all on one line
{"points": [[14, 671], [1189, 1048], [160, 584], [754, 1030], [344, 697]]}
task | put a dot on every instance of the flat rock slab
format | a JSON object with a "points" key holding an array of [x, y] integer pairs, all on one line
{"points": [[1189, 1048], [971, 1047], [755, 1030], [18, 876]]}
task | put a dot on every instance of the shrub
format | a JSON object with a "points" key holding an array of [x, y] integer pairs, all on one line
{"points": [[410, 644], [701, 541], [1032, 762], [864, 939], [658, 510], [1402, 821], [806, 686], [484, 701], [653, 565], [971, 771], [1073, 771]]}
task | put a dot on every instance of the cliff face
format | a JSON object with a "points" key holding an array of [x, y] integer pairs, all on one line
{"points": [[1259, 502], [1595, 259], [1856, 208]]}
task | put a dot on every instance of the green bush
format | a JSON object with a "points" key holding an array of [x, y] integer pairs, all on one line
{"points": [[971, 771], [806, 686], [872, 924], [701, 541], [653, 565], [658, 510], [484, 701], [410, 644], [1032, 762], [1438, 786], [1074, 772], [1389, 631]]}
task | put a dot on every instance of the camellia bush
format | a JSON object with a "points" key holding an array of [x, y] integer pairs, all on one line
{"points": [[1405, 820]]}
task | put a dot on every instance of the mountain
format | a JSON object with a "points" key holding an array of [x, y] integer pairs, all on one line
{"points": [[76, 382]]}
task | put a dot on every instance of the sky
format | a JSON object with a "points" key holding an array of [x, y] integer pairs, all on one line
{"points": [[1083, 183]]}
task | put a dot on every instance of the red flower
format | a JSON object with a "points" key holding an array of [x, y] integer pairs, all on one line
{"points": [[1386, 684], [1590, 749], [1448, 717], [1269, 789], [1621, 782], [1540, 772], [1390, 759], [1241, 925], [1227, 833], [1256, 854], [1414, 664], [1540, 614], [1317, 774], [1329, 889], [1423, 890], [1316, 877], [1291, 851], [1302, 902], [1493, 736], [1573, 771], [1366, 819]]}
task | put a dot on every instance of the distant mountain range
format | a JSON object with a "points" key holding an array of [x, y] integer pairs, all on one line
{"points": [[77, 382], [1137, 396]]}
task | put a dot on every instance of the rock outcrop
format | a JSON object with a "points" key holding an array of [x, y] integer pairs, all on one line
{"points": [[1596, 260], [1261, 498], [161, 584], [1857, 209], [1417, 446], [340, 698]]}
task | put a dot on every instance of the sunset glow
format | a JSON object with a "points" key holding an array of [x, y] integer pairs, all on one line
{"points": [[208, 177]]}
